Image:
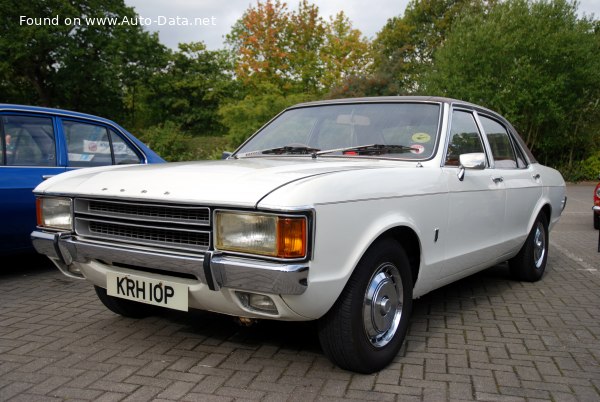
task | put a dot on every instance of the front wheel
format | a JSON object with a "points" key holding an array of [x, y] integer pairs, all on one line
{"points": [[365, 328], [529, 265]]}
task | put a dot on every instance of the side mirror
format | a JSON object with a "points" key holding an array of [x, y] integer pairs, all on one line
{"points": [[226, 154], [474, 161]]}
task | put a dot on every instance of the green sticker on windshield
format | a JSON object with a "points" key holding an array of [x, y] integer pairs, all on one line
{"points": [[421, 137]]}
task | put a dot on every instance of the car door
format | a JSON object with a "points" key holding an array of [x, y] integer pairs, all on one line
{"points": [[28, 146], [476, 203], [523, 184]]}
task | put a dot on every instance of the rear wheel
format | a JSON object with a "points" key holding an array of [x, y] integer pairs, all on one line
{"points": [[529, 265], [126, 308], [365, 328]]}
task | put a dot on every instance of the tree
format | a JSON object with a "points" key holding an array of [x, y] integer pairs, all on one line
{"points": [[297, 51], [87, 66], [404, 48], [285, 57], [537, 63], [260, 39], [191, 88], [242, 118]]}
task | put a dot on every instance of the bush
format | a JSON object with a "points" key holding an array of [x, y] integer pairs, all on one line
{"points": [[168, 141], [586, 170]]}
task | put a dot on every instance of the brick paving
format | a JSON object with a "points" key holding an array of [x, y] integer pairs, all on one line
{"points": [[485, 338]]}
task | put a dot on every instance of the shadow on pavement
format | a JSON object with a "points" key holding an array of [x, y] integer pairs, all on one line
{"points": [[24, 264]]}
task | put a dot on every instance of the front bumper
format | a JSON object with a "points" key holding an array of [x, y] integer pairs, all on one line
{"points": [[215, 270], [596, 209]]}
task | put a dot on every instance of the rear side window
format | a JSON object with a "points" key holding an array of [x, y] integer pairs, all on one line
{"points": [[500, 144], [27, 141], [464, 137], [123, 152], [94, 145]]}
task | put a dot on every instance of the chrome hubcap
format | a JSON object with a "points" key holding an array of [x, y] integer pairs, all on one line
{"points": [[539, 245], [382, 307]]}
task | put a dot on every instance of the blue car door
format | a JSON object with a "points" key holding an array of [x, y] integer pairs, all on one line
{"points": [[28, 155]]}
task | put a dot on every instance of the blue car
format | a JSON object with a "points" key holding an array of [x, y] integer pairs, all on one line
{"points": [[37, 143]]}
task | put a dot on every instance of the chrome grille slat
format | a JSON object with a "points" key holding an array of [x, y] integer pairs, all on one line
{"points": [[140, 211], [160, 227]]}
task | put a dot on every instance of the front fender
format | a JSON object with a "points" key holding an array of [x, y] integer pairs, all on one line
{"points": [[344, 232]]}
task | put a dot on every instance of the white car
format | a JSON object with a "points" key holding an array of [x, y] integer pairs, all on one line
{"points": [[339, 211]]}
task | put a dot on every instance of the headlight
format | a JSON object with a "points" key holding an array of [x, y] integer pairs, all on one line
{"points": [[54, 213], [262, 234]]}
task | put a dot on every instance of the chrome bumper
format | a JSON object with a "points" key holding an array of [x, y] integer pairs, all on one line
{"points": [[596, 209], [215, 270]]}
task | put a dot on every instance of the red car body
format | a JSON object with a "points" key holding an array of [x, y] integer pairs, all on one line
{"points": [[596, 207]]}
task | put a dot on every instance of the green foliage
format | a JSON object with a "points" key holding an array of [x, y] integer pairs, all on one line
{"points": [[404, 48], [168, 141], [243, 118], [87, 67], [535, 62], [587, 169], [191, 88]]}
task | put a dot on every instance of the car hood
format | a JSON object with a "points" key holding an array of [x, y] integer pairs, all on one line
{"points": [[242, 182]]}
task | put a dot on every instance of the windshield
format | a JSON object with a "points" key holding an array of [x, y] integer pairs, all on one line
{"points": [[409, 130]]}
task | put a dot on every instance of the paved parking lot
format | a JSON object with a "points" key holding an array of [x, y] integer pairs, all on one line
{"points": [[484, 338]]}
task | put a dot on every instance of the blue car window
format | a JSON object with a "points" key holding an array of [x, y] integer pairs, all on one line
{"points": [[28, 141], [123, 152], [88, 144]]}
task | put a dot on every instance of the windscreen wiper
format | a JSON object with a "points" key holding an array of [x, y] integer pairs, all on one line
{"points": [[371, 149], [285, 150]]}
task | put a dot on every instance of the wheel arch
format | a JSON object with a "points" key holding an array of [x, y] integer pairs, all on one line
{"points": [[411, 243], [545, 209]]}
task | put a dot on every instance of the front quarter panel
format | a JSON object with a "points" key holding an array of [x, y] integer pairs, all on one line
{"points": [[368, 204]]}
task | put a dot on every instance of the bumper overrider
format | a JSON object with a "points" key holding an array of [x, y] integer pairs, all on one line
{"points": [[215, 270]]}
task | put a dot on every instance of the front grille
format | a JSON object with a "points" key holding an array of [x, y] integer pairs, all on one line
{"points": [[156, 213], [151, 235], [162, 227]]}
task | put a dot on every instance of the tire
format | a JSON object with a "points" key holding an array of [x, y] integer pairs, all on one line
{"points": [[366, 326], [529, 265], [596, 221], [126, 308]]}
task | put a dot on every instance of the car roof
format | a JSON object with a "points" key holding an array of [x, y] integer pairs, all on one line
{"points": [[436, 99], [53, 111]]}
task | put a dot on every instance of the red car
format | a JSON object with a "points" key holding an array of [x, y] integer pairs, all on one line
{"points": [[596, 207]]}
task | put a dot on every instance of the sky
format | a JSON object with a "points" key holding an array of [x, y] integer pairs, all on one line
{"points": [[211, 20]]}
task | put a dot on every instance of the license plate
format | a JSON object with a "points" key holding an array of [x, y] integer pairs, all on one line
{"points": [[148, 290]]}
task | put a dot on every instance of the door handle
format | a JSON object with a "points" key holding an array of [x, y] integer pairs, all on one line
{"points": [[47, 176], [498, 179], [536, 176]]}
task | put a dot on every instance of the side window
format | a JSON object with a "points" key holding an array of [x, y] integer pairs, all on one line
{"points": [[464, 137], [502, 150], [87, 144], [123, 152], [28, 141]]}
